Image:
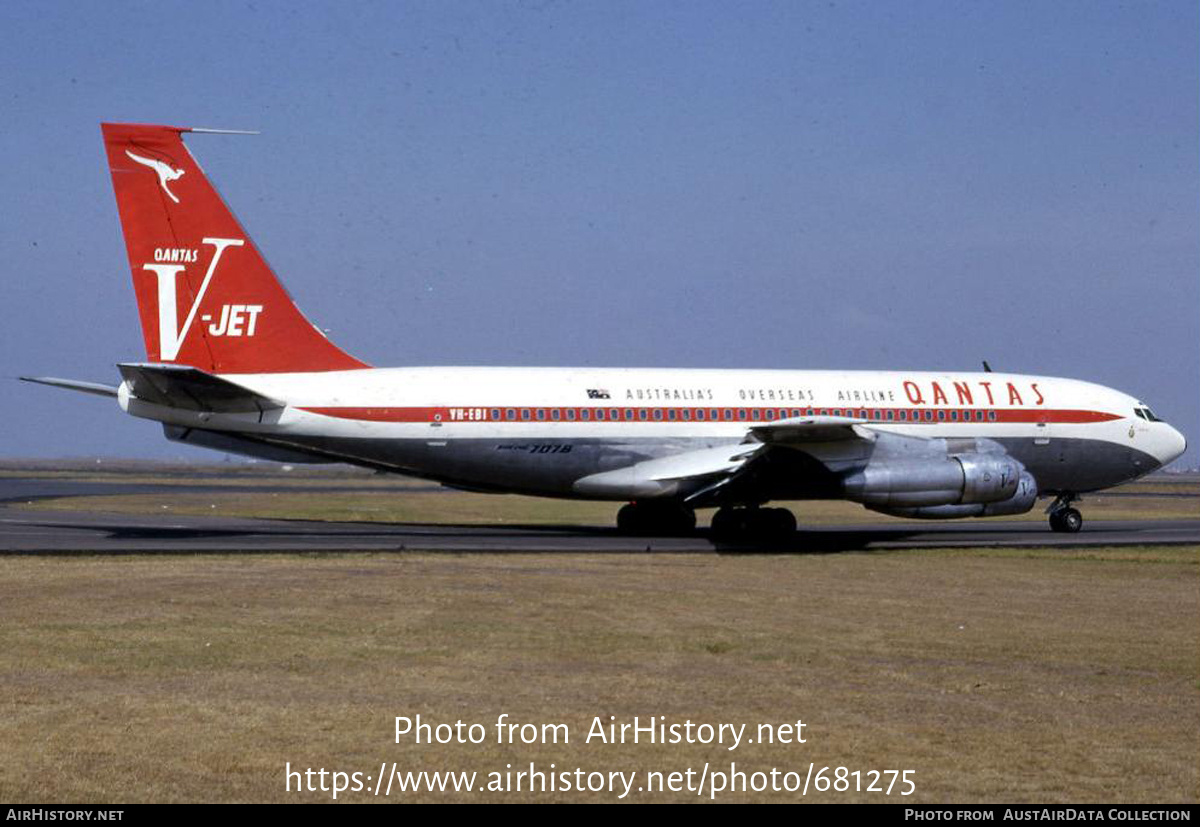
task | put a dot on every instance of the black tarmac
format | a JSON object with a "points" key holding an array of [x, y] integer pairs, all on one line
{"points": [[24, 531]]}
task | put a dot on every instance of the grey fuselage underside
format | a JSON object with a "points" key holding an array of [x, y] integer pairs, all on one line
{"points": [[550, 467]]}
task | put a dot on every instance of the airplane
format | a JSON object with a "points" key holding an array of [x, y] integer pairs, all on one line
{"points": [[233, 365]]}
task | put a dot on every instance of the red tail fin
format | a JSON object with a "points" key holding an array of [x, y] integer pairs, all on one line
{"points": [[206, 296]]}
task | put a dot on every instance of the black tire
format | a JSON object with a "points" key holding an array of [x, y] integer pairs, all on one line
{"points": [[753, 525], [1072, 520], [685, 520], [1066, 520], [629, 519], [667, 519], [772, 525], [783, 524], [727, 525]]}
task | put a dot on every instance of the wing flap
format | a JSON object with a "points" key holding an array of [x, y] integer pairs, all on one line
{"points": [[668, 476]]}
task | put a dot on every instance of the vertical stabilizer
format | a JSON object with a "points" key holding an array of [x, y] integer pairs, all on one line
{"points": [[205, 295]]}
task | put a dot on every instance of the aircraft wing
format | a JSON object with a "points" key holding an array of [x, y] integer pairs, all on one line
{"points": [[699, 475], [805, 430]]}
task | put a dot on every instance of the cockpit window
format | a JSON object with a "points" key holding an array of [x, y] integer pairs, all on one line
{"points": [[1140, 414], [1146, 414]]}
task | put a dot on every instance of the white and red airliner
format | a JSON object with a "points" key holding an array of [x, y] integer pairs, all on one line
{"points": [[232, 364]]}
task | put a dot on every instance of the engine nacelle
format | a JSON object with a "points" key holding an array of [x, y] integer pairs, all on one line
{"points": [[965, 479], [1018, 503]]}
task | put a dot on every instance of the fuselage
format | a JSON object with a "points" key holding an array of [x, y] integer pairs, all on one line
{"points": [[541, 430]]}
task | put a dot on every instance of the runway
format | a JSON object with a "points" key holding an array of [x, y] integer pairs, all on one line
{"points": [[24, 531]]}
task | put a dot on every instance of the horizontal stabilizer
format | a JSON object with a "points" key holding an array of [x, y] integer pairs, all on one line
{"points": [[73, 384], [191, 389]]}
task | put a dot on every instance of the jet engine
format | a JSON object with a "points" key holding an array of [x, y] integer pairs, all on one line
{"points": [[963, 479], [1020, 502]]}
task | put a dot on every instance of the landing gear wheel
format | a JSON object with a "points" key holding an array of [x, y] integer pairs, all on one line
{"points": [[1066, 520], [753, 525], [728, 524], [629, 519], [774, 525], [657, 519], [682, 520]]}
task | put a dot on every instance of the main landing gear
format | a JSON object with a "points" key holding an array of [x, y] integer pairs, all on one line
{"points": [[661, 519], [658, 518], [753, 525], [1063, 517]]}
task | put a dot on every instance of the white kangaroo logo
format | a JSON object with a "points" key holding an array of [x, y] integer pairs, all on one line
{"points": [[165, 172], [170, 337]]}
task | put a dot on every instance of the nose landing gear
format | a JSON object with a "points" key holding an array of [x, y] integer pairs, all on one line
{"points": [[1063, 517]]}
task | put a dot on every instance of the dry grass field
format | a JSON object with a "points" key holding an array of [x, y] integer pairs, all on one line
{"points": [[998, 676], [1033, 675]]}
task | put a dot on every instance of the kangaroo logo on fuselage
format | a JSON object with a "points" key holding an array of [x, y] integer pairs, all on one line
{"points": [[165, 172], [233, 317]]}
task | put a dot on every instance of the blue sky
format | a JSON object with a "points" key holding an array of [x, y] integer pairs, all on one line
{"points": [[791, 185]]}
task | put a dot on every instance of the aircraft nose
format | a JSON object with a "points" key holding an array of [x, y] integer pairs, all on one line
{"points": [[1171, 445]]}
